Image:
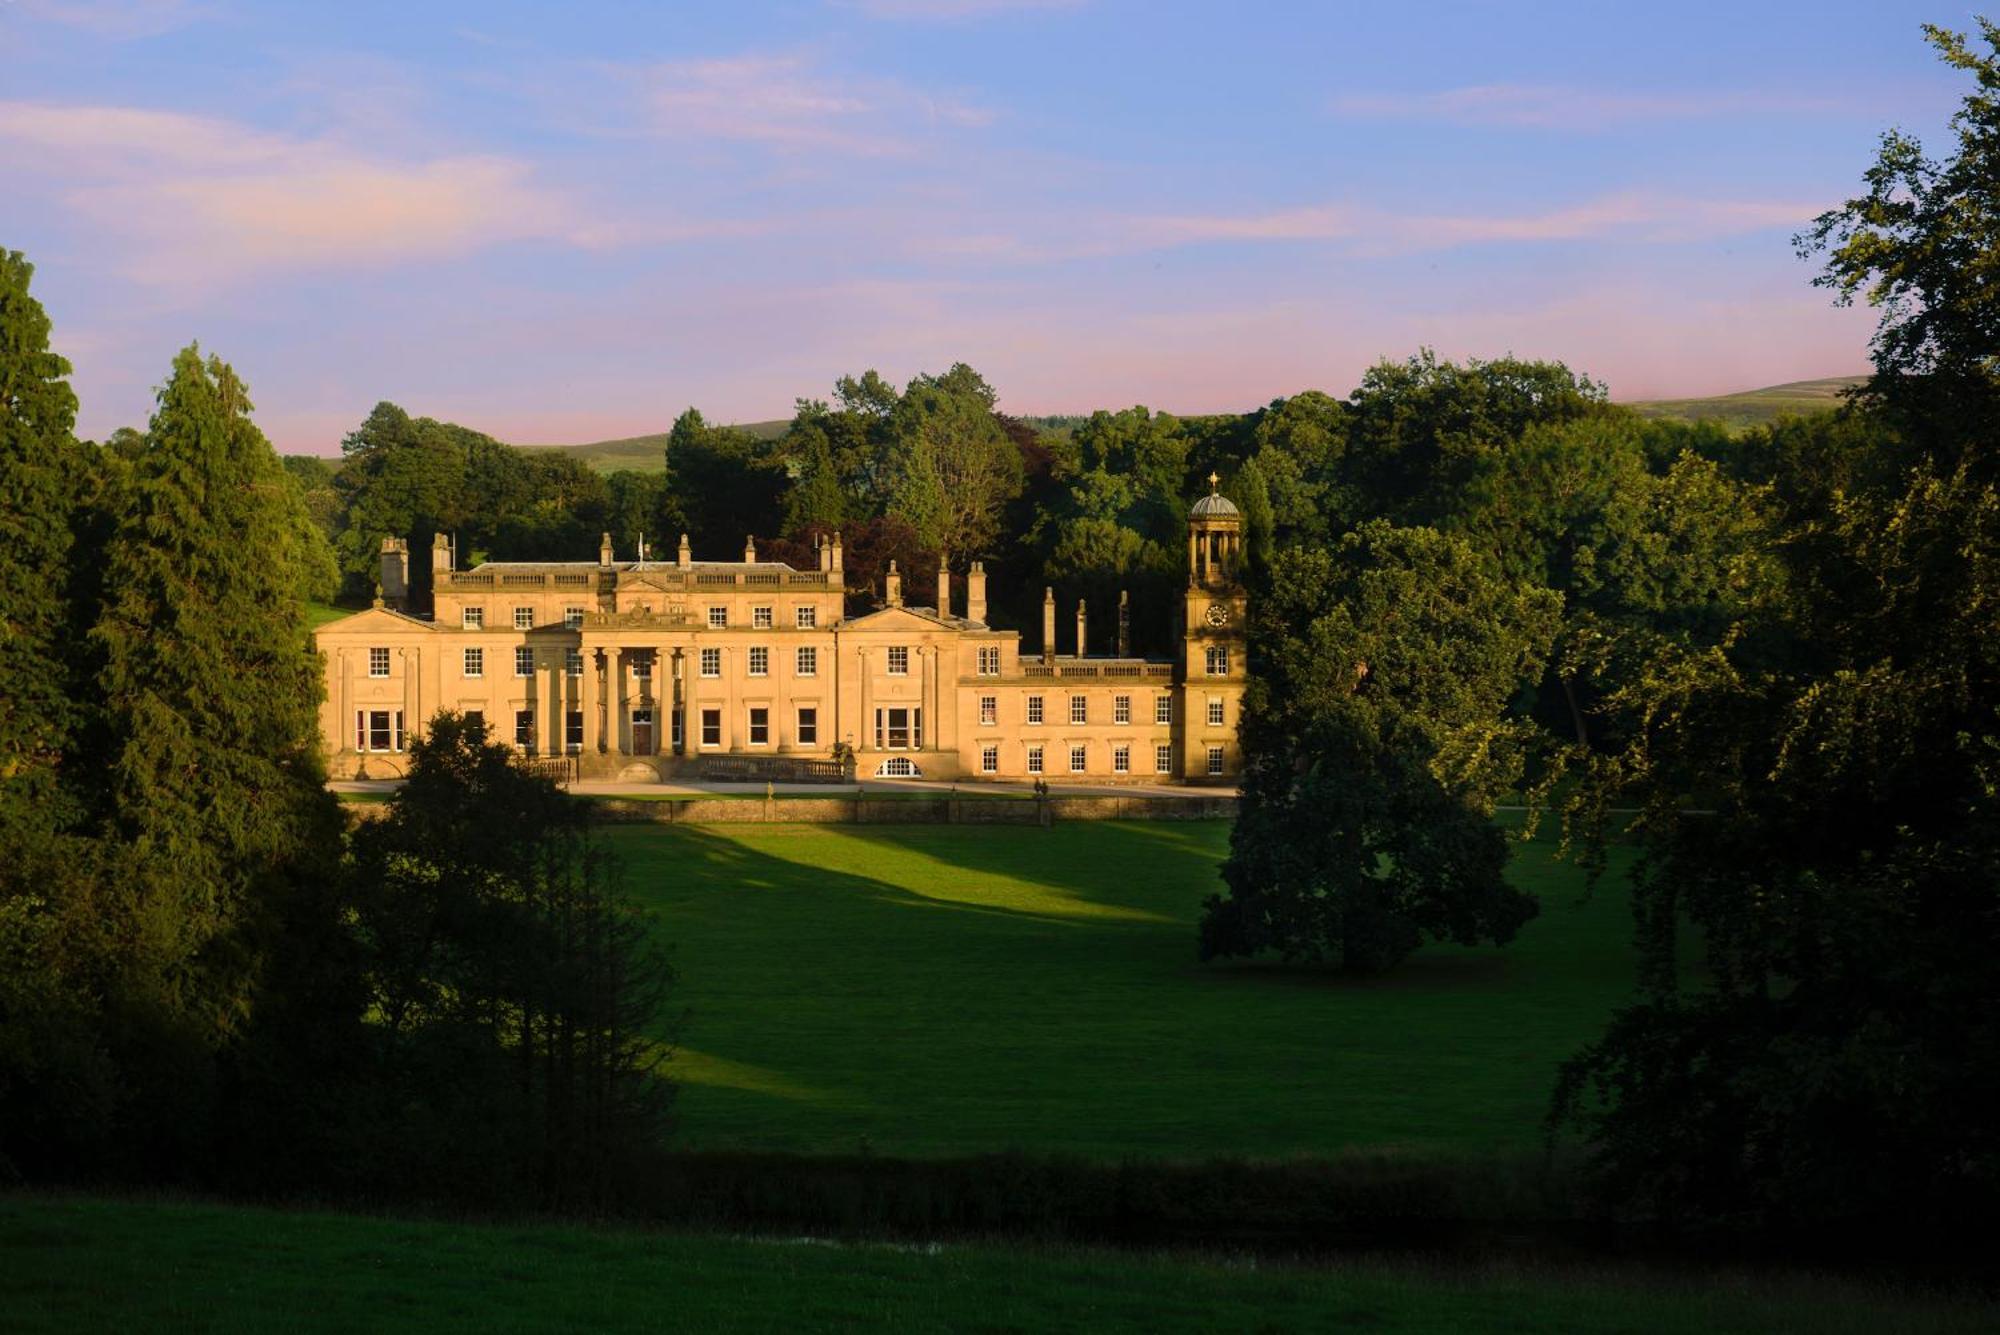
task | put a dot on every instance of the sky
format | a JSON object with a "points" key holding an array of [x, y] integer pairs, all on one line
{"points": [[568, 222]]}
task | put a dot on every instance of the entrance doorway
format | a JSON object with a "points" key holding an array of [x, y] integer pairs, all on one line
{"points": [[642, 732]]}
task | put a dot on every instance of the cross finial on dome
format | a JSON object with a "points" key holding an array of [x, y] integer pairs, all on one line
{"points": [[1213, 478]]}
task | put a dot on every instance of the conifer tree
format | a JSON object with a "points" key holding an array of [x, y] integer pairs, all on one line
{"points": [[210, 699]]}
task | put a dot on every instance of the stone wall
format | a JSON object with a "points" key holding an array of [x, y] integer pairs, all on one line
{"points": [[910, 810]]}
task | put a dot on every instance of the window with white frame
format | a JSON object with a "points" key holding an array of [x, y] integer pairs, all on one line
{"points": [[760, 726], [1215, 713], [524, 618], [1079, 709], [805, 616], [1034, 760], [1163, 709], [472, 618], [718, 618], [573, 731], [1121, 760], [572, 618], [989, 710], [524, 662], [524, 729], [679, 729], [1079, 758], [1034, 709], [711, 662], [808, 725], [475, 662], [711, 727], [1121, 709], [760, 661], [573, 662], [642, 665], [1163, 759], [1215, 760], [1218, 660], [899, 660], [989, 760], [378, 662], [378, 729], [806, 662], [989, 660], [760, 618]]}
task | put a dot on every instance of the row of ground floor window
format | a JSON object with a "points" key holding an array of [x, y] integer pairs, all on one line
{"points": [[896, 729]]}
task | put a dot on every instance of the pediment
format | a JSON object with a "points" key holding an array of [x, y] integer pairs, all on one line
{"points": [[898, 619], [376, 619]]}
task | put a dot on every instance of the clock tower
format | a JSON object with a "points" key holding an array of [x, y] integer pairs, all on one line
{"points": [[1212, 659]]}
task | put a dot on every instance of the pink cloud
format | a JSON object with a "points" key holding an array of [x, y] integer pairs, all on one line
{"points": [[1555, 108]]}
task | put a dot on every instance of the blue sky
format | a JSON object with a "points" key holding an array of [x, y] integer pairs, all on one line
{"points": [[563, 223]]}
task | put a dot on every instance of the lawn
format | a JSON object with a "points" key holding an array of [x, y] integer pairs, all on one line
{"points": [[935, 990], [70, 1265]]}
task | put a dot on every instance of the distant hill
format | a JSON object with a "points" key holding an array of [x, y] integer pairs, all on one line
{"points": [[1753, 407]]}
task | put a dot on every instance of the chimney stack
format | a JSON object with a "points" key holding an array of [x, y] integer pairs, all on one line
{"points": [[835, 566], [604, 550], [1081, 636], [685, 557], [1048, 625], [395, 571], [750, 551], [893, 587], [825, 551], [975, 593], [1124, 623], [944, 586], [440, 554]]}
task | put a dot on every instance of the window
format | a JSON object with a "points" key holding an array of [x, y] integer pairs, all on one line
{"points": [[1215, 760], [1034, 760], [1218, 661], [760, 618], [1078, 757], [573, 662], [524, 618], [899, 729], [378, 662], [989, 661], [760, 726], [1121, 709], [718, 618], [524, 662], [572, 618], [1163, 759], [760, 661], [1079, 709], [473, 618], [1034, 709], [808, 725], [899, 660], [475, 662], [898, 767], [642, 665], [989, 710], [475, 723], [711, 662], [711, 727], [680, 729], [1163, 709], [378, 729], [805, 617], [1121, 760], [989, 760], [573, 730], [1215, 713], [806, 663], [524, 729]]}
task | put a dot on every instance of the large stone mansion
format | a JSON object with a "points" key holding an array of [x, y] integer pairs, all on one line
{"points": [[649, 669]]}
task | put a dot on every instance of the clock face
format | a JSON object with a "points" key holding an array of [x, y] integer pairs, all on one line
{"points": [[1218, 614]]}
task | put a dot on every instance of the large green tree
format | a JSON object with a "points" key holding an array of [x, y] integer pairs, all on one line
{"points": [[1377, 745]]}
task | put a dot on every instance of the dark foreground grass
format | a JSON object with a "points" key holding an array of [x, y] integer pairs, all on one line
{"points": [[946, 990], [81, 1264]]}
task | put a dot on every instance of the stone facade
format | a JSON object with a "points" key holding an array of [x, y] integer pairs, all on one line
{"points": [[657, 669]]}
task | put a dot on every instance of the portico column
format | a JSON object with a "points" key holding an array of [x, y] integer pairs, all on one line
{"points": [[681, 715], [926, 658], [618, 700], [866, 731]]}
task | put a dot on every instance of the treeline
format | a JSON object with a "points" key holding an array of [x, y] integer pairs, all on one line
{"points": [[1782, 652], [205, 978]]}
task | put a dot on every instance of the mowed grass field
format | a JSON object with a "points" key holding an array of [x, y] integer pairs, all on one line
{"points": [[942, 990], [71, 1265]]}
